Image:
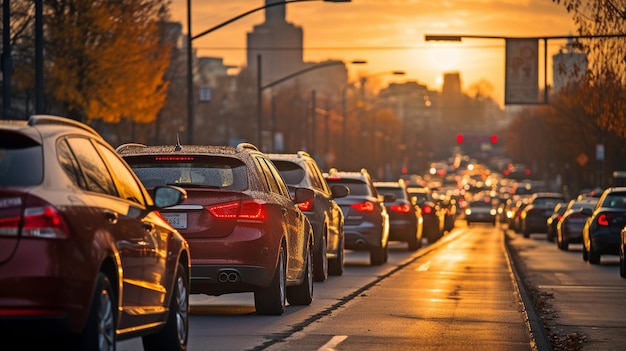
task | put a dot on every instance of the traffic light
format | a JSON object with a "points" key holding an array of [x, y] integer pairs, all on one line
{"points": [[494, 139], [459, 138]]}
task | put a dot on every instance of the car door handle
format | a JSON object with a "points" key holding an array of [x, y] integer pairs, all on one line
{"points": [[111, 216]]}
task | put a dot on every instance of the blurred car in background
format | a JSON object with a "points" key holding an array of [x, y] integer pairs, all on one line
{"points": [[553, 220], [480, 210], [622, 253], [405, 217], [570, 227], [85, 257], [515, 222], [601, 233], [431, 212], [245, 231], [366, 219], [534, 216], [300, 170]]}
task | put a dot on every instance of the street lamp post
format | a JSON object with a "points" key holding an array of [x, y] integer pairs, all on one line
{"points": [[190, 38], [261, 88]]}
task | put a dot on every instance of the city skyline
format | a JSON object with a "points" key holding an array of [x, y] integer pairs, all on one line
{"points": [[393, 37]]}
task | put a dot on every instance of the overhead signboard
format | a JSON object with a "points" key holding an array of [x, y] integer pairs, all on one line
{"points": [[522, 72]]}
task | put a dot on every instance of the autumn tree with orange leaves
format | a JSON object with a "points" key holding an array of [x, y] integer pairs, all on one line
{"points": [[103, 59], [606, 77]]}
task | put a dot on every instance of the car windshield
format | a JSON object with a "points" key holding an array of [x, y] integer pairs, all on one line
{"points": [[212, 172], [21, 161]]}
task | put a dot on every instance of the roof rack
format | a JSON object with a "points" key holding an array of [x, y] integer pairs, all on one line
{"points": [[128, 146], [303, 154], [242, 146], [36, 120]]}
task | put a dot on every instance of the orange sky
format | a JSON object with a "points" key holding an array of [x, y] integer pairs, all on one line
{"points": [[389, 34]]}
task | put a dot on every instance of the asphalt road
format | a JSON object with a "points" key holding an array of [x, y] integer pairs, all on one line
{"points": [[472, 290]]}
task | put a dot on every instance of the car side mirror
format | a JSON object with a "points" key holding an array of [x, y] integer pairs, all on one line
{"points": [[339, 191], [303, 195], [166, 196]]}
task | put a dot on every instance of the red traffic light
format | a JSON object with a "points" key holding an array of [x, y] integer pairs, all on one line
{"points": [[494, 139], [459, 138]]}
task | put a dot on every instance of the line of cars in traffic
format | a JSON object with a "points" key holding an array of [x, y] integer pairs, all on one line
{"points": [[100, 244], [597, 220]]}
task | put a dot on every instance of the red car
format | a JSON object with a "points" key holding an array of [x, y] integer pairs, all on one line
{"points": [[245, 231], [85, 256]]}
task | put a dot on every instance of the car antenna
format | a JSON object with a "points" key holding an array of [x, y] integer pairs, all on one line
{"points": [[178, 147]]}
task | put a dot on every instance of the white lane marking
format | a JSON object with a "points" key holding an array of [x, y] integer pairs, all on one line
{"points": [[333, 342], [424, 267]]}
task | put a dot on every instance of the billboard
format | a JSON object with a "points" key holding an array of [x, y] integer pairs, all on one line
{"points": [[522, 71]]}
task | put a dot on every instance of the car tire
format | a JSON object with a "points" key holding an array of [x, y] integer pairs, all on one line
{"points": [[336, 265], [622, 261], [272, 299], [414, 242], [377, 256], [100, 329], [175, 334], [594, 255], [320, 261], [302, 294]]}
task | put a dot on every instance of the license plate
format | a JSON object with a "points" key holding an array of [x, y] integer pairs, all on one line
{"points": [[176, 220]]}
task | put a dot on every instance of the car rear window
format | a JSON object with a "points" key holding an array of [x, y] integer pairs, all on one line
{"points": [[398, 192], [21, 161], [191, 171], [291, 172], [357, 187]]}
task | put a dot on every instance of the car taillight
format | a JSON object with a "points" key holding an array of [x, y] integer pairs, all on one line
{"points": [[37, 221], [363, 206], [306, 206], [603, 220], [427, 209], [404, 208], [240, 210]]}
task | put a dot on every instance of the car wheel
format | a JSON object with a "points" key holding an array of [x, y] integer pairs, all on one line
{"points": [[377, 256], [564, 245], [622, 261], [594, 255], [320, 262], [271, 300], [99, 332], [175, 334], [414, 242], [302, 295], [335, 266]]}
